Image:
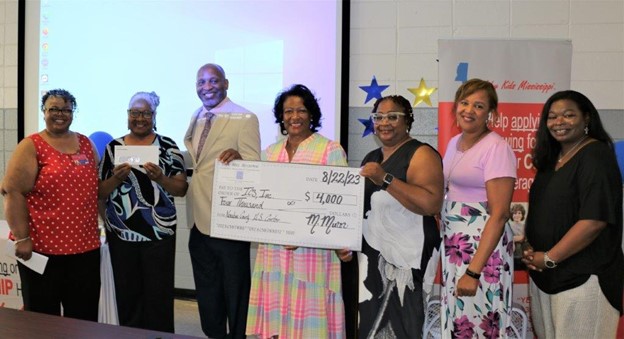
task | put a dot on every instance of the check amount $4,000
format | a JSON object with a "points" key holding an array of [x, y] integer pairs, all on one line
{"points": [[329, 198]]}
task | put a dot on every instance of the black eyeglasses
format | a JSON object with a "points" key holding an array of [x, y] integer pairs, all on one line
{"points": [[136, 114], [391, 116], [64, 111]]}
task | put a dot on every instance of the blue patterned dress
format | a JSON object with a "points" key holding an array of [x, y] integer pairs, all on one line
{"points": [[140, 209], [141, 225]]}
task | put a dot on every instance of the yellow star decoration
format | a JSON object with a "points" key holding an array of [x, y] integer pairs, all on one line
{"points": [[422, 93]]}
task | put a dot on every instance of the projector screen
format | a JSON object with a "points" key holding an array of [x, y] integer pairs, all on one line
{"points": [[104, 51]]}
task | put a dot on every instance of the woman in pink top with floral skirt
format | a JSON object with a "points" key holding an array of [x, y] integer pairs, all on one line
{"points": [[477, 245]]}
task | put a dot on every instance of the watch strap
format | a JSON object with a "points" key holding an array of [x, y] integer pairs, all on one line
{"points": [[548, 262], [472, 274], [386, 181]]}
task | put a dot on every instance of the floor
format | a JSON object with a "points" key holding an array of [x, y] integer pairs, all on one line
{"points": [[187, 318]]}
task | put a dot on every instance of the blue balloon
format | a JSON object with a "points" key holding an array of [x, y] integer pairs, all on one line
{"points": [[619, 152], [100, 139]]}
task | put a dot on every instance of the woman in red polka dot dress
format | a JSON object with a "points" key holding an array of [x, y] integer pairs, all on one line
{"points": [[50, 200]]}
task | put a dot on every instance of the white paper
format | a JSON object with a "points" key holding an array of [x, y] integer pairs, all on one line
{"points": [[136, 155], [37, 262]]}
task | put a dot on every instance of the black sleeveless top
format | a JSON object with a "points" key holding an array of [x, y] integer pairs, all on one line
{"points": [[397, 165]]}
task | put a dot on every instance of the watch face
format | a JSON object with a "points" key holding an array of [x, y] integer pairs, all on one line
{"points": [[550, 264], [388, 178]]}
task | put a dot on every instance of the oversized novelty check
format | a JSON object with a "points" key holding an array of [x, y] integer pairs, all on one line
{"points": [[288, 204]]}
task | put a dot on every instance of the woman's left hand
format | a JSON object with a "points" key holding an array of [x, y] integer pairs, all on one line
{"points": [[466, 286], [345, 254], [153, 171]]}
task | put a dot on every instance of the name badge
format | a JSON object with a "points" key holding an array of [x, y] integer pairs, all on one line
{"points": [[80, 159]]}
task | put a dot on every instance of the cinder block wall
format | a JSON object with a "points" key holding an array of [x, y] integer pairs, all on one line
{"points": [[396, 41]]}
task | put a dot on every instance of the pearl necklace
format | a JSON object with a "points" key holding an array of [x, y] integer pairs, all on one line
{"points": [[564, 155]]}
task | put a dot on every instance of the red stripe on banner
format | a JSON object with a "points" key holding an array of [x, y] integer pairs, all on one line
{"points": [[521, 277], [447, 128]]}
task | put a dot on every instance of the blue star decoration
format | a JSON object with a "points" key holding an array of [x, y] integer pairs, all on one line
{"points": [[374, 90], [462, 72], [369, 126]]}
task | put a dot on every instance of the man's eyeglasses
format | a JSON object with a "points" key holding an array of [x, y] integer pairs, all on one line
{"points": [[136, 114], [391, 116], [64, 111]]}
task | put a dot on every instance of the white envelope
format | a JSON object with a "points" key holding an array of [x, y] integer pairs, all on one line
{"points": [[37, 262], [136, 155]]}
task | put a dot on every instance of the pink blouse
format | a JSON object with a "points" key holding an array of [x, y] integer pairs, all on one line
{"points": [[465, 173]]}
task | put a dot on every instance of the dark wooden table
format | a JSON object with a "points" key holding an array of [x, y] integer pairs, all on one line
{"points": [[15, 324]]}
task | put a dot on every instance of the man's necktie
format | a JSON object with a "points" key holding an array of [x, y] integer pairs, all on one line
{"points": [[204, 134]]}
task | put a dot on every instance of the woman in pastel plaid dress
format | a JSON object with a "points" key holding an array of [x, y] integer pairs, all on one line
{"points": [[295, 291]]}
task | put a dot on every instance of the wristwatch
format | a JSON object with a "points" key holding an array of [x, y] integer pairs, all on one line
{"points": [[549, 263], [387, 180]]}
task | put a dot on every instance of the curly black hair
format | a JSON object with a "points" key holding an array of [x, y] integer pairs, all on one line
{"points": [[61, 93], [309, 101]]}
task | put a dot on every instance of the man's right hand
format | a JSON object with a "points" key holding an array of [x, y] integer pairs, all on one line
{"points": [[229, 155]]}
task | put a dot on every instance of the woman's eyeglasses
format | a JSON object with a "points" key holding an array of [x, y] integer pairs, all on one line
{"points": [[64, 111], [136, 114], [391, 116]]}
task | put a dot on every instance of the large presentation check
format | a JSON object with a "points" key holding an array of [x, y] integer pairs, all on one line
{"points": [[288, 204]]}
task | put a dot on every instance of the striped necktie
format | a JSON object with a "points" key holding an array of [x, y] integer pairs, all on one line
{"points": [[204, 134]]}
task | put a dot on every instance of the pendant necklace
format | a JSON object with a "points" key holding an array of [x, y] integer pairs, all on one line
{"points": [[454, 163], [564, 155]]}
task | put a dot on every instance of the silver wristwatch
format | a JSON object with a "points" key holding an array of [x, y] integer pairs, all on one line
{"points": [[549, 263], [387, 180]]}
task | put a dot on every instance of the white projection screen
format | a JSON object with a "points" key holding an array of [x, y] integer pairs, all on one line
{"points": [[103, 51]]}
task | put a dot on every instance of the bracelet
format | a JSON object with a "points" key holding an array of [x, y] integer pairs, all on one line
{"points": [[473, 274], [21, 240]]}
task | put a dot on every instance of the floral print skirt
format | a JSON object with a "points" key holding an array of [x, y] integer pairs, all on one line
{"points": [[488, 313]]}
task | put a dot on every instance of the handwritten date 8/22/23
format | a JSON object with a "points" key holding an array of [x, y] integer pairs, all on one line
{"points": [[340, 177]]}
